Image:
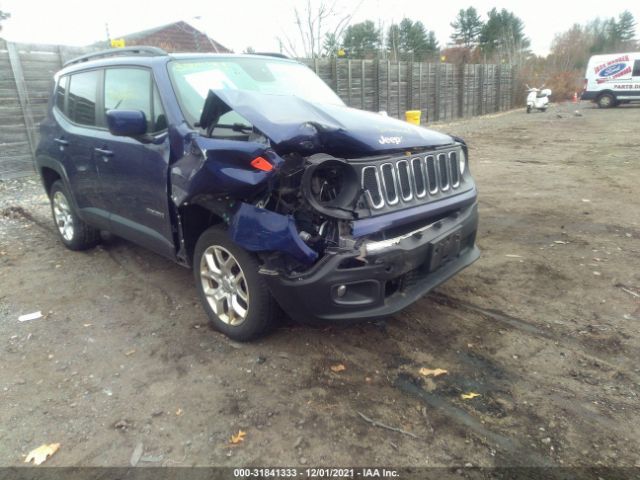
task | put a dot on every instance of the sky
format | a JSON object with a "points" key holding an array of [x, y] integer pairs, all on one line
{"points": [[259, 23]]}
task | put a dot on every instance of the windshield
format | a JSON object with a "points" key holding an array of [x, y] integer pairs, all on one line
{"points": [[192, 80]]}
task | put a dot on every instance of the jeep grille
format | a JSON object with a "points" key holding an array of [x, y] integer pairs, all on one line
{"points": [[405, 180]]}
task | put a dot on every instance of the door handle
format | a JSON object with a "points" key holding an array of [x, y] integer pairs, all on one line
{"points": [[61, 141], [105, 153]]}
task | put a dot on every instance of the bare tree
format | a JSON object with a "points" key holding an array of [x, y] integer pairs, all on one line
{"points": [[315, 22]]}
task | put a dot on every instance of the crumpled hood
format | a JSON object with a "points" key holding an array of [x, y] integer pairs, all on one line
{"points": [[295, 124]]}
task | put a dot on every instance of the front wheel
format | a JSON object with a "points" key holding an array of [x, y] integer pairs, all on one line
{"points": [[74, 233], [528, 108], [234, 295]]}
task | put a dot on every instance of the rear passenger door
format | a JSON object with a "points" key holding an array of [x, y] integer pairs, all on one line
{"points": [[133, 171]]}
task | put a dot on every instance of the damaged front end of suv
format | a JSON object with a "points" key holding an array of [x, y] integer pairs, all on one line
{"points": [[353, 215]]}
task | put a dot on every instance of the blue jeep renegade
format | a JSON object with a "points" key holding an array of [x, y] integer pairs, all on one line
{"points": [[252, 171]]}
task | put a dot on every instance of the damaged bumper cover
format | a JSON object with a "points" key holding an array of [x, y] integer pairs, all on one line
{"points": [[394, 273], [258, 230]]}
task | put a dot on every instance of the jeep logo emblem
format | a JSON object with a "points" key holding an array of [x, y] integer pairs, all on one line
{"points": [[384, 140]]}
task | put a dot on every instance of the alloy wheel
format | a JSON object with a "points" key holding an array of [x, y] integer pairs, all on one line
{"points": [[62, 215], [224, 285]]}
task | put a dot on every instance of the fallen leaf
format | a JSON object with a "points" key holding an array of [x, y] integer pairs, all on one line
{"points": [[436, 372], [130, 352], [237, 438], [339, 367], [469, 396], [179, 412], [40, 454]]}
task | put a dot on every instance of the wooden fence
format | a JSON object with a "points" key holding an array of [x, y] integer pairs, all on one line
{"points": [[440, 91], [26, 73]]}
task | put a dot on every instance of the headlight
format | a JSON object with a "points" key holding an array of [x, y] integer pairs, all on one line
{"points": [[331, 186], [462, 162]]}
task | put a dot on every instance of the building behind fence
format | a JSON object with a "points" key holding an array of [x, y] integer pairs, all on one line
{"points": [[440, 91]]}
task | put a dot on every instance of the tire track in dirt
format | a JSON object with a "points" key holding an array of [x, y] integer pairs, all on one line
{"points": [[529, 328]]}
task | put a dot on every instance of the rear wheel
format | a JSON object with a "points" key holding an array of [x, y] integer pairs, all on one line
{"points": [[606, 101], [74, 233], [233, 293], [528, 108]]}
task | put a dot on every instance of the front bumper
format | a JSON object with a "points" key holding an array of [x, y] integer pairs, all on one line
{"points": [[389, 281]]}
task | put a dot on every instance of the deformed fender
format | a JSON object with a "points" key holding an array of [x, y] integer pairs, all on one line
{"points": [[260, 230]]}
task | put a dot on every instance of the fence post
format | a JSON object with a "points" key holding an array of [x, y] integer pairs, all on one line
{"points": [[399, 96], [377, 85], [498, 88], [461, 90], [388, 85], [349, 85], [410, 84], [23, 97], [514, 85], [420, 90], [362, 77], [481, 89], [334, 74], [436, 106]]}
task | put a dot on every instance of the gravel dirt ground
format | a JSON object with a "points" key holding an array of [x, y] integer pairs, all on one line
{"points": [[545, 327]]}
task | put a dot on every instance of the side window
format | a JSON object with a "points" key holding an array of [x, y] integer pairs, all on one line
{"points": [[81, 106], [131, 89], [61, 92], [636, 68]]}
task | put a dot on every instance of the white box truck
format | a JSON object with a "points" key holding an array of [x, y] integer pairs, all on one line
{"points": [[612, 79]]}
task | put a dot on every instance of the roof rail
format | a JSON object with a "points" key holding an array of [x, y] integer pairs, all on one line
{"points": [[270, 54], [113, 52]]}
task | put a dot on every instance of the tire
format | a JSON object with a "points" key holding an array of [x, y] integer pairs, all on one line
{"points": [[528, 108], [606, 101], [244, 308], [74, 233]]}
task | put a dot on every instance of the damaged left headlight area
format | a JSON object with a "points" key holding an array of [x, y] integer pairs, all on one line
{"points": [[290, 209]]}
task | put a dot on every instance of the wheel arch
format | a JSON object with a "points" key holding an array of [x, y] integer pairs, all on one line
{"points": [[194, 219]]}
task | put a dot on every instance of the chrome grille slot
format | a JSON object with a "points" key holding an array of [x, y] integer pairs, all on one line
{"points": [[389, 183], [432, 179], [404, 180], [453, 164], [443, 172], [371, 184], [417, 170]]}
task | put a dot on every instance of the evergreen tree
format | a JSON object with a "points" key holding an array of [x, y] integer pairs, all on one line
{"points": [[466, 27], [502, 37], [411, 38], [626, 27], [362, 39]]}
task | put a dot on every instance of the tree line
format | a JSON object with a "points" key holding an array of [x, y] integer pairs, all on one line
{"points": [[497, 37]]}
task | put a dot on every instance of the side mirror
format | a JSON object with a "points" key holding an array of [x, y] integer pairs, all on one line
{"points": [[126, 123]]}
